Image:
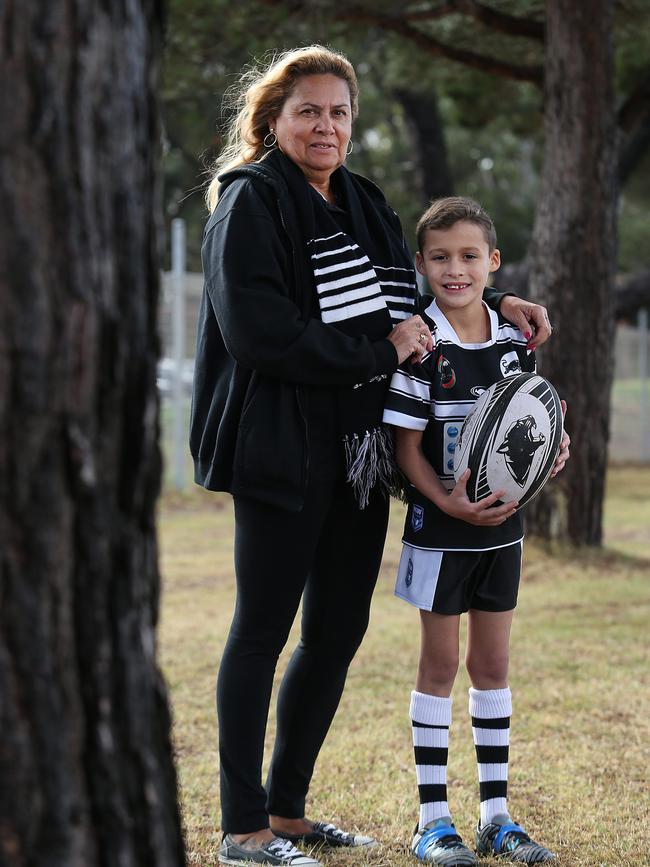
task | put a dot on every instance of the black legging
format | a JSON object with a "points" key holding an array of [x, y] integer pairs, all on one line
{"points": [[332, 551]]}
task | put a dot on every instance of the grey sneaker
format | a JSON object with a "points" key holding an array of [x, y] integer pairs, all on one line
{"points": [[327, 834], [505, 839], [276, 852], [439, 843]]}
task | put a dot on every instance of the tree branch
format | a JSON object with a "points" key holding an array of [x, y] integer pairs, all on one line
{"points": [[634, 149], [433, 46], [637, 104], [634, 119], [486, 15], [501, 21], [432, 14]]}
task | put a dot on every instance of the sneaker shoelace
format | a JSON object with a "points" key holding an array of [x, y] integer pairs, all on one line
{"points": [[332, 829], [283, 848]]}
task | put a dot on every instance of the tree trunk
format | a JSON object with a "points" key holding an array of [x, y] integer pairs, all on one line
{"points": [[86, 774], [427, 135], [573, 257]]}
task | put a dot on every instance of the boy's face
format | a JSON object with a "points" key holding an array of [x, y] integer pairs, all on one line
{"points": [[456, 262]]}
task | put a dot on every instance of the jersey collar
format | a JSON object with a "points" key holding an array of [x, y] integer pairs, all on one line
{"points": [[446, 331]]}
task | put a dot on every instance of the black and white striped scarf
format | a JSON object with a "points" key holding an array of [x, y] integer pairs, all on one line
{"points": [[365, 283], [350, 286]]}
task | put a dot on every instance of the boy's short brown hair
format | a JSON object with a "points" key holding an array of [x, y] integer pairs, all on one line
{"points": [[444, 213]]}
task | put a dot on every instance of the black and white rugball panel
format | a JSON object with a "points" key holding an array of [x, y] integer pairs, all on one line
{"points": [[510, 439]]}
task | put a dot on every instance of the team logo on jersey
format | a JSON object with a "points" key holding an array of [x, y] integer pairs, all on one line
{"points": [[510, 364], [408, 578], [447, 373], [477, 390], [417, 517], [519, 447]]}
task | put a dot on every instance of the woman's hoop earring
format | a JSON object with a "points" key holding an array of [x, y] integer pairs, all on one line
{"points": [[350, 148], [270, 139]]}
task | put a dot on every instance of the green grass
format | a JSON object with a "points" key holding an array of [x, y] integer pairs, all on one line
{"points": [[580, 677]]}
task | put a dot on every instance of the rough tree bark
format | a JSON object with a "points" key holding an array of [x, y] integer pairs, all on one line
{"points": [[86, 774], [573, 256]]}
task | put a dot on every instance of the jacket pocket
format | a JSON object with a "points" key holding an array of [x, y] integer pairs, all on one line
{"points": [[249, 397], [271, 442]]}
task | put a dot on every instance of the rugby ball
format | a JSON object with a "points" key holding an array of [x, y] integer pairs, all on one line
{"points": [[510, 439]]}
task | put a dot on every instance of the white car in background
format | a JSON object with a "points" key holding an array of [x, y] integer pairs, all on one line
{"points": [[167, 376]]}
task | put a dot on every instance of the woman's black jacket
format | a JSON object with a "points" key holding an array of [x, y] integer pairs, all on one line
{"points": [[261, 344]]}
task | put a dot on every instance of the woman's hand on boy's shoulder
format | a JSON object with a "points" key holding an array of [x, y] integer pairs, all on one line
{"points": [[483, 513], [531, 319]]}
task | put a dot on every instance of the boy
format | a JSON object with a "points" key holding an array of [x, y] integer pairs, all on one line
{"points": [[458, 556]]}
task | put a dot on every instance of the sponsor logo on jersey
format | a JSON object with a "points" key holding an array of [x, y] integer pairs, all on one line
{"points": [[408, 579], [510, 364], [447, 373], [519, 447], [417, 517]]}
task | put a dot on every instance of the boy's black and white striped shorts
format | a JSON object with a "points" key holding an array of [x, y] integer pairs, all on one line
{"points": [[451, 582]]}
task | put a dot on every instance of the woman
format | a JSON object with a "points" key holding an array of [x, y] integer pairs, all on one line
{"points": [[309, 305]]}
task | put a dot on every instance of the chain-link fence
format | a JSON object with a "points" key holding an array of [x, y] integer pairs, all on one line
{"points": [[630, 417]]}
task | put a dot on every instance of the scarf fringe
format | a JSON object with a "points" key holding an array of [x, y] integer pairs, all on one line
{"points": [[370, 461]]}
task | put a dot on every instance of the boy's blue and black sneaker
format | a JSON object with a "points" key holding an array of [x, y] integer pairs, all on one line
{"points": [[439, 843], [504, 839]]}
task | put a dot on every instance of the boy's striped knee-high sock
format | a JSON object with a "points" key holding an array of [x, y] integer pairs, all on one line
{"points": [[430, 719], [490, 710]]}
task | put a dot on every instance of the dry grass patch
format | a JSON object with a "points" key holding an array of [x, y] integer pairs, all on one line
{"points": [[579, 674]]}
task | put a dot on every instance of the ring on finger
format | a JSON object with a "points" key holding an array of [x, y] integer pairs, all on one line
{"points": [[422, 338]]}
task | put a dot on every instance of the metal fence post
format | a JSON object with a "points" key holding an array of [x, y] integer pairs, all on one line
{"points": [[178, 331], [642, 323]]}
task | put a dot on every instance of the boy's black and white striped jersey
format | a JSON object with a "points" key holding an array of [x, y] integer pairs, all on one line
{"points": [[434, 396]]}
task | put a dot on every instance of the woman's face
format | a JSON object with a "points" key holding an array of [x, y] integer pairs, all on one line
{"points": [[315, 125]]}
